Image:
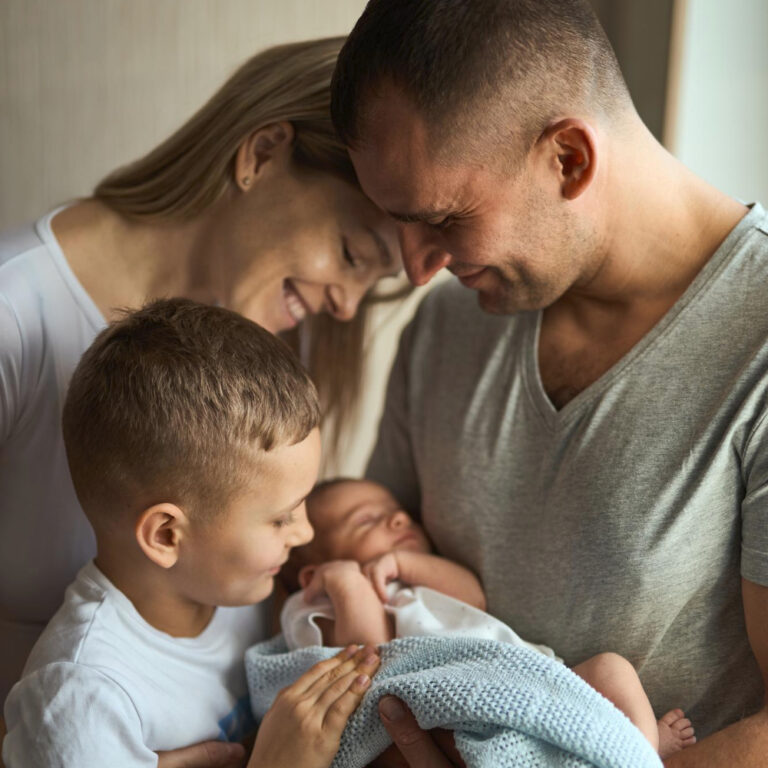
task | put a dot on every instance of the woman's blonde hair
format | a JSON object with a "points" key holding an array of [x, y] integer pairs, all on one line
{"points": [[192, 169]]}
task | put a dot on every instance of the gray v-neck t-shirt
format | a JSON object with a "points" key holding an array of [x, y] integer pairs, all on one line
{"points": [[624, 521]]}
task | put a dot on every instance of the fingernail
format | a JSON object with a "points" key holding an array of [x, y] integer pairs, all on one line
{"points": [[371, 659], [350, 650], [391, 708], [363, 680]]}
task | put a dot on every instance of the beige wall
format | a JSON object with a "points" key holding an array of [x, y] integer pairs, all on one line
{"points": [[86, 85]]}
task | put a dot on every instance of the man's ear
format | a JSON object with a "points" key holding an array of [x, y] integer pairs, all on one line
{"points": [[159, 531], [273, 143], [572, 143]]}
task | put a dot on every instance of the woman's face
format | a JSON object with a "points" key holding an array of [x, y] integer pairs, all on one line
{"points": [[300, 243]]}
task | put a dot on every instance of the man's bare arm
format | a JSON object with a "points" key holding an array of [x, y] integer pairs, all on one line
{"points": [[743, 744]]}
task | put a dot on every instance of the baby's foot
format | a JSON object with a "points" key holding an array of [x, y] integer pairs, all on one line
{"points": [[675, 733]]}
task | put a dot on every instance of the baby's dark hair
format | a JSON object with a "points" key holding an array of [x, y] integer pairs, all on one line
{"points": [[168, 403]]}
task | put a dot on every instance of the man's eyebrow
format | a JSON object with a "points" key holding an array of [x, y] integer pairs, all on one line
{"points": [[386, 255]]}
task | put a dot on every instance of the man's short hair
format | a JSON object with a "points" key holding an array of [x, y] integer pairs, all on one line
{"points": [[474, 68], [174, 402]]}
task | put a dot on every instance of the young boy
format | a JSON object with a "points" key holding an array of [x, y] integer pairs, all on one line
{"points": [[191, 435], [369, 575]]}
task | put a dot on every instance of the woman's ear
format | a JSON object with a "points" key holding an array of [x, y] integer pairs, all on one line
{"points": [[572, 143], [272, 142], [159, 531]]}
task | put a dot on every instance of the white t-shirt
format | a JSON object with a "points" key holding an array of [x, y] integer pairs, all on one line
{"points": [[47, 320], [104, 688], [417, 611]]}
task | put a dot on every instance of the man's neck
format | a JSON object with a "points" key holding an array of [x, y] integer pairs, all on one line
{"points": [[660, 224], [151, 590]]}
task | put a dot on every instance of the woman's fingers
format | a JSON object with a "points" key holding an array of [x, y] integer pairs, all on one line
{"points": [[418, 747]]}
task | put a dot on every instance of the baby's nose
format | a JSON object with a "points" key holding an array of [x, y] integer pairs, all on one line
{"points": [[399, 519]]}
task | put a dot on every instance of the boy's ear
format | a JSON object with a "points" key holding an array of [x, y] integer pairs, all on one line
{"points": [[159, 530]]}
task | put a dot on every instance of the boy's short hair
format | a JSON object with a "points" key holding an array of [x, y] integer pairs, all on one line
{"points": [[173, 402]]}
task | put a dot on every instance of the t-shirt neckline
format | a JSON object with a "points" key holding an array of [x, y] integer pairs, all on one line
{"points": [[556, 418], [80, 295]]}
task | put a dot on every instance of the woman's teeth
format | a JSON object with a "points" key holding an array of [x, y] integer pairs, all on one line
{"points": [[295, 306]]}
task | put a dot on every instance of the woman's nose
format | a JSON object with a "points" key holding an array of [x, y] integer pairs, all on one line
{"points": [[343, 301]]}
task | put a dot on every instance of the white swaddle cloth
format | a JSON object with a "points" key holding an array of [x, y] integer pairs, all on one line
{"points": [[417, 612]]}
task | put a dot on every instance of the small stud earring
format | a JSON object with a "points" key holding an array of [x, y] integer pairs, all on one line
{"points": [[246, 180]]}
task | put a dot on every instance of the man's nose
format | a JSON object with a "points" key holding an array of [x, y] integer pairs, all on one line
{"points": [[423, 258]]}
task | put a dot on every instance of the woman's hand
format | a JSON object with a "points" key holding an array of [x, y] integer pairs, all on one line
{"points": [[380, 571], [303, 727], [317, 580]]}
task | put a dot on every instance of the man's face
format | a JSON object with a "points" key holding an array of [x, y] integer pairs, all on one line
{"points": [[510, 236]]}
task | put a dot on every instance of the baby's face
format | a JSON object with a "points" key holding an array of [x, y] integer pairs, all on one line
{"points": [[360, 520]]}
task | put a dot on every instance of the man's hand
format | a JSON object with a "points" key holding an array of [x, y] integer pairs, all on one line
{"points": [[419, 749], [317, 580], [207, 754], [380, 571]]}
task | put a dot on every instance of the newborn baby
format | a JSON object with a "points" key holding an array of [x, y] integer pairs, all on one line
{"points": [[370, 575]]}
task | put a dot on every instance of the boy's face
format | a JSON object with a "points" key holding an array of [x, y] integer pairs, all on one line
{"points": [[233, 558], [360, 520]]}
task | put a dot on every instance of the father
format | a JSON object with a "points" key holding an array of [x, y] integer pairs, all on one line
{"points": [[587, 427]]}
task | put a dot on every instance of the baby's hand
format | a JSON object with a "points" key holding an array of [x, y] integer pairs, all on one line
{"points": [[380, 571], [320, 579]]}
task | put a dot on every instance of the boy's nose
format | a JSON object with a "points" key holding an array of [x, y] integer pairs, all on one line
{"points": [[303, 532]]}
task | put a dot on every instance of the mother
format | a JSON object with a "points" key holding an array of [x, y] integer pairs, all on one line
{"points": [[252, 204]]}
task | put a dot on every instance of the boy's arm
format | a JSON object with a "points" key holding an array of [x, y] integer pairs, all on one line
{"points": [[360, 615], [65, 714], [420, 569]]}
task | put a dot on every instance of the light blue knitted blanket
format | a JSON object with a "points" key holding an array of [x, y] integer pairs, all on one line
{"points": [[508, 706]]}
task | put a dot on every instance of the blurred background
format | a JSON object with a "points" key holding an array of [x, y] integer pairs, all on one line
{"points": [[87, 85]]}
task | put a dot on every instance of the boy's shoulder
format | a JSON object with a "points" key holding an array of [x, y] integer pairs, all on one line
{"points": [[87, 625], [103, 687]]}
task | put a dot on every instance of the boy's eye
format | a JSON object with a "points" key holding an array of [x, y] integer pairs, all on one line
{"points": [[281, 522]]}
